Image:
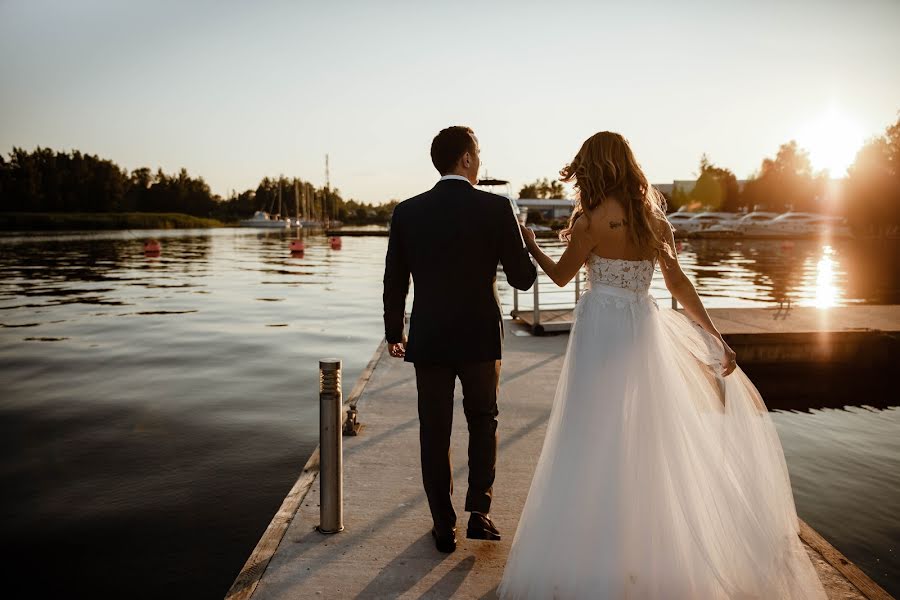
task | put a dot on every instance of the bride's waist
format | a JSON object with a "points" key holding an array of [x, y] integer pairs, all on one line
{"points": [[605, 289]]}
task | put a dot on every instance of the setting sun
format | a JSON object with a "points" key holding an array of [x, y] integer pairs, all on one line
{"points": [[832, 140]]}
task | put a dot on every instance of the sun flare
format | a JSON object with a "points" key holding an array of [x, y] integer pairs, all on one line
{"points": [[832, 140]]}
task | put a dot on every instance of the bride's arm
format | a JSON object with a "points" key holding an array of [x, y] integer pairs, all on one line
{"points": [[573, 257], [684, 292]]}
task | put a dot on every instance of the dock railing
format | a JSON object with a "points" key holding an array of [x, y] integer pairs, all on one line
{"points": [[548, 307]]}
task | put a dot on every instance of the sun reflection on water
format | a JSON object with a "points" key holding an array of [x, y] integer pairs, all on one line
{"points": [[826, 291]]}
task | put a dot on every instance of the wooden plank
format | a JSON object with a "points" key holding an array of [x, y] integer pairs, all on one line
{"points": [[832, 556], [251, 573]]}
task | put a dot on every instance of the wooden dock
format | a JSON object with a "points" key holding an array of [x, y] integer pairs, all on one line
{"points": [[797, 335], [386, 550], [386, 233], [357, 233]]}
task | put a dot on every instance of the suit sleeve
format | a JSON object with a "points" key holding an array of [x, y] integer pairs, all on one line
{"points": [[520, 271], [396, 282]]}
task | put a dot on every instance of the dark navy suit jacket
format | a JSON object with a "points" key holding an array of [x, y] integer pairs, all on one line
{"points": [[451, 239]]}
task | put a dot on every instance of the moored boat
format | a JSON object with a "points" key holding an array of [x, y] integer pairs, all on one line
{"points": [[798, 224], [262, 220]]}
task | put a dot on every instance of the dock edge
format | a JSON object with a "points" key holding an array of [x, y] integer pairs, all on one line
{"points": [[250, 575], [833, 557]]}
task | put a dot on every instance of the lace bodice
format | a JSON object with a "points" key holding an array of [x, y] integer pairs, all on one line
{"points": [[634, 275]]}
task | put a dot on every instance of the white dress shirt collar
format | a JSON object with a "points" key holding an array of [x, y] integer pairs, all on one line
{"points": [[460, 177]]}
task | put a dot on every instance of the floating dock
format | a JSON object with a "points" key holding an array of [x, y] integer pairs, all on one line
{"points": [[386, 550], [783, 334], [386, 233], [357, 233]]}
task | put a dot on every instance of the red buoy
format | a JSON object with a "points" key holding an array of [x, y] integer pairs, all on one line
{"points": [[152, 247], [336, 243], [297, 246]]}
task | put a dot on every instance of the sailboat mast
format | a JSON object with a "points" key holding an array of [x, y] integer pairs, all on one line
{"points": [[327, 190]]}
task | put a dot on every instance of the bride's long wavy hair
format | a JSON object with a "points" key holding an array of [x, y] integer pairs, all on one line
{"points": [[605, 167]]}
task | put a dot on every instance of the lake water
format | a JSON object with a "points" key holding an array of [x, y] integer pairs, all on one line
{"points": [[155, 411]]}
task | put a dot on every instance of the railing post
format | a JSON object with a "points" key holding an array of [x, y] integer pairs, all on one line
{"points": [[515, 302], [331, 472], [537, 303], [674, 303], [577, 285]]}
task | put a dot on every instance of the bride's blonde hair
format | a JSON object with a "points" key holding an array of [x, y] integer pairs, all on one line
{"points": [[605, 167]]}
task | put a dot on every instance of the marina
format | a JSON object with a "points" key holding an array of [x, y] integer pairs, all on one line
{"points": [[385, 549], [196, 209]]}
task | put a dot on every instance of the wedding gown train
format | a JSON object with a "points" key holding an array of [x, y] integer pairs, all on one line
{"points": [[658, 478]]}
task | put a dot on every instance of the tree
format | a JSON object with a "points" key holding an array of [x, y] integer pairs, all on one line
{"points": [[716, 187], [873, 184], [48, 181], [543, 189], [785, 182]]}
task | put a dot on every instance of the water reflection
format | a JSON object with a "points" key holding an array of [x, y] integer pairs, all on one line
{"points": [[826, 291], [762, 272], [803, 272]]}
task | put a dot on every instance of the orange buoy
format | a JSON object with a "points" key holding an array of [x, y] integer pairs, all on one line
{"points": [[336, 243], [152, 246], [297, 246]]}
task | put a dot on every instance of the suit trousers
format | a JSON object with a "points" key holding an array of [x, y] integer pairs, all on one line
{"points": [[480, 385]]}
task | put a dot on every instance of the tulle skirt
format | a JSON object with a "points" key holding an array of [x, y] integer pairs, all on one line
{"points": [[658, 478]]}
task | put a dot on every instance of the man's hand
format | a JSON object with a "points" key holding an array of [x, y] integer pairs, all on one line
{"points": [[398, 350]]}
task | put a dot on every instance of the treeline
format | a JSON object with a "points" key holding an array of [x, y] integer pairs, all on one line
{"points": [[869, 197], [543, 189], [48, 181]]}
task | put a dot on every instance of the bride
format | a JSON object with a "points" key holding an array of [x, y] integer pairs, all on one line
{"points": [[661, 474]]}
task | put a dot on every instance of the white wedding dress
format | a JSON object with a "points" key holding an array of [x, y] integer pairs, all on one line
{"points": [[658, 478]]}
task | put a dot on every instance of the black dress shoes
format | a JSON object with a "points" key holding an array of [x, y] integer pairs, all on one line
{"points": [[445, 542], [481, 528]]}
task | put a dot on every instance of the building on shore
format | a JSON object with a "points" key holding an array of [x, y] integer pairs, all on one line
{"points": [[550, 208]]}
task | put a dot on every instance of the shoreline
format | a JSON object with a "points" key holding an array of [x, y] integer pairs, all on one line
{"points": [[66, 221], [111, 221]]}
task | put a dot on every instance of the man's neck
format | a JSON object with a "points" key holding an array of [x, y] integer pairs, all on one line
{"points": [[456, 176]]}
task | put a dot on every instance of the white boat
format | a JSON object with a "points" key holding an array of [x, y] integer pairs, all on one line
{"points": [[741, 224], [262, 220], [702, 221], [798, 224], [677, 219]]}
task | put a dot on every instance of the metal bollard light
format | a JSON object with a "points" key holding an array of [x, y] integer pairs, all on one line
{"points": [[331, 471]]}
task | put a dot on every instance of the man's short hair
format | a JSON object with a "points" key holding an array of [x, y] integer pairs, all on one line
{"points": [[449, 145]]}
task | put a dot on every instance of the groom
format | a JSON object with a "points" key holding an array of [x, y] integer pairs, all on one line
{"points": [[450, 239]]}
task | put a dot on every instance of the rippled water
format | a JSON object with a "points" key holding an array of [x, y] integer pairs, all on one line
{"points": [[155, 411]]}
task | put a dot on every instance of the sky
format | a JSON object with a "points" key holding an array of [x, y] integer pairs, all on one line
{"points": [[235, 91]]}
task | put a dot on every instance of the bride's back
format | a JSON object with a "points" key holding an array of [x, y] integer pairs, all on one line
{"points": [[609, 229]]}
